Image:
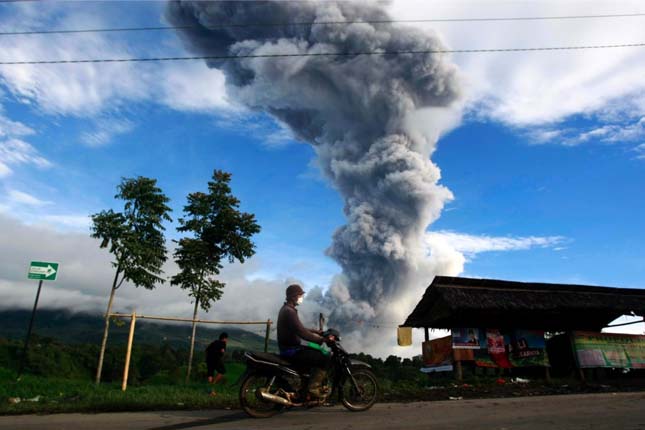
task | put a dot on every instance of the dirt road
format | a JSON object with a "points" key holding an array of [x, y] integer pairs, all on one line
{"points": [[624, 411]]}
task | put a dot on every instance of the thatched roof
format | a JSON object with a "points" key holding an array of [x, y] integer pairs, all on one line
{"points": [[464, 302]]}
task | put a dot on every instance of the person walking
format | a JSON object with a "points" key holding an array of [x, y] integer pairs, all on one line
{"points": [[215, 360]]}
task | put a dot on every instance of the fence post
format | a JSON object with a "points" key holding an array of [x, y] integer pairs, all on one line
{"points": [[266, 336], [128, 352]]}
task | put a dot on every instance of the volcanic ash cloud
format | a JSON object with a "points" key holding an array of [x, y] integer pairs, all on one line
{"points": [[355, 110]]}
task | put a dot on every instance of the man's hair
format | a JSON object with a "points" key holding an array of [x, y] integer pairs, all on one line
{"points": [[224, 335]]}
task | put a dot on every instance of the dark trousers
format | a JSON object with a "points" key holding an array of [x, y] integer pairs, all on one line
{"points": [[306, 358]]}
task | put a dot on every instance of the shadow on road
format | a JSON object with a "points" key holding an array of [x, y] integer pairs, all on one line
{"points": [[236, 416]]}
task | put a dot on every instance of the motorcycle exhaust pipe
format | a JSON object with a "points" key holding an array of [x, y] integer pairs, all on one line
{"points": [[263, 395]]}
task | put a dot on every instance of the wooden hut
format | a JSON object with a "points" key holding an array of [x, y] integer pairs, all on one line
{"points": [[454, 302]]}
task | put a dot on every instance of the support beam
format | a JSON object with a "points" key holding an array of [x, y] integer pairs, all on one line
{"points": [[128, 353]]}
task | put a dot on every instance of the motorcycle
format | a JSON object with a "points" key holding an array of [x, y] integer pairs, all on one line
{"points": [[271, 384]]}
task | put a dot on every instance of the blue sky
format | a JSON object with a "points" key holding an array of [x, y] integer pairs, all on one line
{"points": [[546, 161]]}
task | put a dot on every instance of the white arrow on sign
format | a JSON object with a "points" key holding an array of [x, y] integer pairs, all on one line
{"points": [[39, 270]]}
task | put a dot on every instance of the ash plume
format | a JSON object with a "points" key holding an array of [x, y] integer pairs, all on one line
{"points": [[358, 112]]}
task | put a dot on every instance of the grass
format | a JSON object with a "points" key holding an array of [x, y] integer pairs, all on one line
{"points": [[49, 395]]}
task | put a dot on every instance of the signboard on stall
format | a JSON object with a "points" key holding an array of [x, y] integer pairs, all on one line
{"points": [[506, 349], [609, 350]]}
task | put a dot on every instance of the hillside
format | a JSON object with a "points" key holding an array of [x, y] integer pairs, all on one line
{"points": [[84, 328]]}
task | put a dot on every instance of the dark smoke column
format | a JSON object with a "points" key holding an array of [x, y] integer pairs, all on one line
{"points": [[355, 111]]}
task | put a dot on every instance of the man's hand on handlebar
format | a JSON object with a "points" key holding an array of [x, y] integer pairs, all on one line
{"points": [[329, 339]]}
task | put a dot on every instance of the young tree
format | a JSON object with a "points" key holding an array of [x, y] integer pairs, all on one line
{"points": [[135, 239], [218, 231]]}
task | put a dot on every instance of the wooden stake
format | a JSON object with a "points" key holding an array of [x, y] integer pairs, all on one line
{"points": [[266, 336], [547, 373], [192, 342], [99, 367], [128, 352]]}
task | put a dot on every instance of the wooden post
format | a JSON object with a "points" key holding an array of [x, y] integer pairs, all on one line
{"points": [[99, 367], [460, 371], [547, 373], [427, 334], [128, 353], [266, 336]]}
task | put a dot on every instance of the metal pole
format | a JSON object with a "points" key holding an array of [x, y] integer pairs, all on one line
{"points": [[128, 352], [266, 336], [31, 324]]}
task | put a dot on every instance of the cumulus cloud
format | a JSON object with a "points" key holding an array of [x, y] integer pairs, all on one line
{"points": [[85, 277], [9, 128], [88, 90], [251, 293], [640, 151], [472, 245], [621, 131], [17, 152], [105, 130], [20, 197], [194, 87], [523, 89]]}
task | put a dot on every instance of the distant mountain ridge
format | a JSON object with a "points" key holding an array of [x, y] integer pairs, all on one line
{"points": [[87, 328]]}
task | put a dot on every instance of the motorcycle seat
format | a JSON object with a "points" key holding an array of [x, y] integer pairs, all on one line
{"points": [[271, 358]]}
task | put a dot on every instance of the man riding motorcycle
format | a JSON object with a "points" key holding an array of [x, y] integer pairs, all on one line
{"points": [[291, 334]]}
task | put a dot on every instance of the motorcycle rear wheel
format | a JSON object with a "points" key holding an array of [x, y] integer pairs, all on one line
{"points": [[250, 403], [366, 395]]}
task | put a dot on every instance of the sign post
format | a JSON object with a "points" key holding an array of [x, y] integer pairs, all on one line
{"points": [[42, 271]]}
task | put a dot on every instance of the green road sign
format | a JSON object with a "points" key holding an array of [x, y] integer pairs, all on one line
{"points": [[43, 270]]}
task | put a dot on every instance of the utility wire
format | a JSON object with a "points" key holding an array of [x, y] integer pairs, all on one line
{"points": [[322, 54], [323, 23]]}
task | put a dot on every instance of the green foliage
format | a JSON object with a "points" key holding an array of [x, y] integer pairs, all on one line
{"points": [[217, 230], [135, 236], [53, 394]]}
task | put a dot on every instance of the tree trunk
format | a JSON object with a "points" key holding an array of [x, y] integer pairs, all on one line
{"points": [[99, 368], [192, 342]]}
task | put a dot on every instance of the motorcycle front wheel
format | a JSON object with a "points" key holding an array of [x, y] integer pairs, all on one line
{"points": [[251, 403], [360, 392]]}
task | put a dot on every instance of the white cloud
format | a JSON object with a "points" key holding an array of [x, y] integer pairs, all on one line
{"points": [[87, 90], [105, 130], [251, 293], [529, 88], [193, 86], [472, 245], [9, 128], [19, 197], [627, 130], [640, 151], [267, 131], [15, 152], [69, 222]]}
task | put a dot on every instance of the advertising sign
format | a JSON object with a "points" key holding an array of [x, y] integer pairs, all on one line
{"points": [[467, 338], [505, 349], [609, 350]]}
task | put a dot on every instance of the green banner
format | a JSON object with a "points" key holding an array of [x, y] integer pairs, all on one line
{"points": [[609, 350]]}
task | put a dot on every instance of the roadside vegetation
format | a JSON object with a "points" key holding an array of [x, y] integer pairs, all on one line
{"points": [[59, 378]]}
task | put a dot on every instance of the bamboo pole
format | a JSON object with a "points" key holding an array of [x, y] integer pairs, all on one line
{"points": [[99, 367], [192, 342], [266, 336], [128, 352], [151, 317]]}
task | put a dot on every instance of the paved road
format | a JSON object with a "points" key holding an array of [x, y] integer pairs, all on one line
{"points": [[621, 411]]}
